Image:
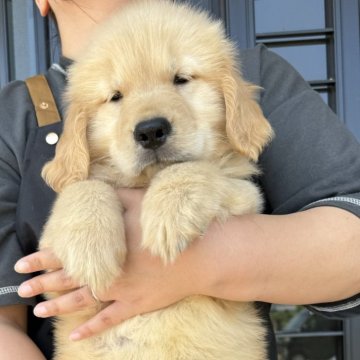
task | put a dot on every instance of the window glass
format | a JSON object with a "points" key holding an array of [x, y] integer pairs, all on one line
{"points": [[21, 35], [309, 60], [325, 97], [288, 15], [302, 335]]}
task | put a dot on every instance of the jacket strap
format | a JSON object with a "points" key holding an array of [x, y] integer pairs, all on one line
{"points": [[43, 100]]}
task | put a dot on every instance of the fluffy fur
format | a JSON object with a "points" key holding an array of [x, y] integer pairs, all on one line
{"points": [[202, 173]]}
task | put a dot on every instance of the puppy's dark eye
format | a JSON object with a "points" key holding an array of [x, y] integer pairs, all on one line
{"points": [[181, 80], [116, 96]]}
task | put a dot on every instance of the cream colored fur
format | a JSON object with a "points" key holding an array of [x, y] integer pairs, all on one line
{"points": [[201, 174]]}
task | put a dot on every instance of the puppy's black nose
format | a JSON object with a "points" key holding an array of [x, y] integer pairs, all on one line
{"points": [[152, 133]]}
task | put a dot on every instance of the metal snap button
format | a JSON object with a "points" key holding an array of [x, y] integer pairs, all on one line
{"points": [[44, 105], [52, 138]]}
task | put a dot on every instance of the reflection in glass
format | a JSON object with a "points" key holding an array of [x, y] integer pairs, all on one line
{"points": [[288, 15], [325, 97], [21, 35], [309, 60], [302, 335]]}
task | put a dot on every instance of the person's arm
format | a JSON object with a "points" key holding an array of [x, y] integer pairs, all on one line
{"points": [[313, 160], [289, 259], [14, 342]]}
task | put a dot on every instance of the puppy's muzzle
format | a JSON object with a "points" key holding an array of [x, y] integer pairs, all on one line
{"points": [[152, 133]]}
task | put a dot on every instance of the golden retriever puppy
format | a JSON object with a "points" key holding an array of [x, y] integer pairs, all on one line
{"points": [[156, 101]]}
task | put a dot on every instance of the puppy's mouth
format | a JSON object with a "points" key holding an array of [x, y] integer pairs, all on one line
{"points": [[161, 157]]}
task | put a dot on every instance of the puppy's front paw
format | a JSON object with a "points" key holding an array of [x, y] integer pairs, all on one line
{"points": [[86, 232], [177, 208], [167, 230]]}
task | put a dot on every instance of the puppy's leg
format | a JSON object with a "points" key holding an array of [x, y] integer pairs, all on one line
{"points": [[86, 232], [183, 199]]}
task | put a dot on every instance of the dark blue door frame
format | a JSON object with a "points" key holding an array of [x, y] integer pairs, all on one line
{"points": [[347, 47], [4, 46]]}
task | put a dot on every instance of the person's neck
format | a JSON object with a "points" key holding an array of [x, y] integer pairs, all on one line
{"points": [[73, 49], [77, 22]]}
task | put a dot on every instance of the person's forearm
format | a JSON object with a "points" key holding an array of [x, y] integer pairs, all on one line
{"points": [[16, 345], [303, 258]]}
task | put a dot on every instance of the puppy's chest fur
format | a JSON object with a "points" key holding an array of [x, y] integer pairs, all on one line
{"points": [[230, 163], [104, 171]]}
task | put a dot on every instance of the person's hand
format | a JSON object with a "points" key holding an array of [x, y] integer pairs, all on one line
{"points": [[145, 285], [55, 280]]}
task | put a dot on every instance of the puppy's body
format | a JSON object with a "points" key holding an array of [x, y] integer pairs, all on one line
{"points": [[155, 63], [195, 328]]}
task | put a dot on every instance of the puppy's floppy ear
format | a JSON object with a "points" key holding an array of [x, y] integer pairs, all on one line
{"points": [[247, 129], [72, 160]]}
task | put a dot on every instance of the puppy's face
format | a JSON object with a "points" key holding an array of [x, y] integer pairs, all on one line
{"points": [[169, 113], [159, 85]]}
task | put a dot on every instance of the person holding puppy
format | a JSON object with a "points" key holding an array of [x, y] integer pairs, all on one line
{"points": [[287, 255]]}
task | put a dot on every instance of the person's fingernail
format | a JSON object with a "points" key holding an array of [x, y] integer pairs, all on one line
{"points": [[25, 290], [75, 336], [22, 267], [40, 311]]}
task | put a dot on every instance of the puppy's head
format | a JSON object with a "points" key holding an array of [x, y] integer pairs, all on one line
{"points": [[158, 85]]}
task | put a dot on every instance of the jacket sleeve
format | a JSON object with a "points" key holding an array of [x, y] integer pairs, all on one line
{"points": [[14, 113], [312, 161]]}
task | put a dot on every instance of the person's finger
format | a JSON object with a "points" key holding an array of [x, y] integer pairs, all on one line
{"points": [[49, 282], [128, 196], [38, 261], [71, 302], [112, 315]]}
